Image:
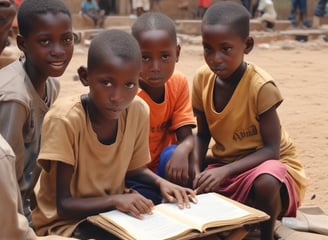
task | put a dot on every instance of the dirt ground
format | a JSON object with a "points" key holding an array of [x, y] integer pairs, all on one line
{"points": [[301, 72]]}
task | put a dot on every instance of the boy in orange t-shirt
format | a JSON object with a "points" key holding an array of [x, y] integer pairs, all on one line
{"points": [[167, 94]]}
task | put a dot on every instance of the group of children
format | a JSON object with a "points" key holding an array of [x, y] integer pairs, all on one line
{"points": [[128, 143]]}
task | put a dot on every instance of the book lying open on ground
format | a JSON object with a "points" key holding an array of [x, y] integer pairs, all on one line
{"points": [[213, 213]]}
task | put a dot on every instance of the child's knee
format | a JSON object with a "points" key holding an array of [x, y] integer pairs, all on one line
{"points": [[266, 184]]}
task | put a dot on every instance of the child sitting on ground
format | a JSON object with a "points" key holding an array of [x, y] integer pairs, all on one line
{"points": [[27, 86], [253, 160], [167, 94], [91, 9], [91, 142]]}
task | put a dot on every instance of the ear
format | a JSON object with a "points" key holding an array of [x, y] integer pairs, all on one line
{"points": [[20, 40], [83, 75], [249, 45], [178, 49]]}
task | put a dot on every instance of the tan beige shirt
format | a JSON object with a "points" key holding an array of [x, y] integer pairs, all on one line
{"points": [[14, 226], [235, 130], [99, 170]]}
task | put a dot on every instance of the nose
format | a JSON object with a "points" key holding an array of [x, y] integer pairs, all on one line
{"points": [[115, 95], [156, 65], [57, 50], [217, 57]]}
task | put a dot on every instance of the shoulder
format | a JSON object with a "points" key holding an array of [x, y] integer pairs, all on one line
{"points": [[202, 77], [203, 74], [179, 76], [203, 70], [13, 69], [67, 109], [177, 80], [12, 84], [138, 106], [258, 76], [137, 113]]}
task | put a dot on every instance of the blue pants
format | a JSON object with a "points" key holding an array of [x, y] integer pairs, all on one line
{"points": [[150, 191], [320, 9], [299, 5]]}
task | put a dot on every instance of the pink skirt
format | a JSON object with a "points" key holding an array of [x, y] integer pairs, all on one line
{"points": [[238, 187]]}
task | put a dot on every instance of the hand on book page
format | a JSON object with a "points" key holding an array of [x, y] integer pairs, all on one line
{"points": [[168, 221]]}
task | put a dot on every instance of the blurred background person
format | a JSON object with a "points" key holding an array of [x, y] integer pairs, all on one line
{"points": [[140, 6], [319, 12], [202, 6], [90, 8]]}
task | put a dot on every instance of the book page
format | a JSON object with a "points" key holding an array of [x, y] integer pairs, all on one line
{"points": [[210, 209], [153, 226]]}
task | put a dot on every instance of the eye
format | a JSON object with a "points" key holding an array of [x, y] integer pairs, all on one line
{"points": [[165, 57], [44, 42], [107, 83], [69, 40], [226, 49], [206, 48], [145, 58], [130, 85]]}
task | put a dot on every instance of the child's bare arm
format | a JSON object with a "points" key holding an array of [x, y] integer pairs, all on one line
{"points": [[71, 207], [202, 141], [177, 168]]}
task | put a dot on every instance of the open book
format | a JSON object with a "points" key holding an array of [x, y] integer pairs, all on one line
{"points": [[212, 213]]}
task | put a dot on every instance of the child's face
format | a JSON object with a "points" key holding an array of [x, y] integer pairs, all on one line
{"points": [[49, 45], [223, 49], [159, 55], [7, 14], [113, 85]]}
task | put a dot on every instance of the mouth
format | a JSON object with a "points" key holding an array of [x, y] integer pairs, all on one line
{"points": [[155, 79], [58, 64], [218, 69], [114, 110]]}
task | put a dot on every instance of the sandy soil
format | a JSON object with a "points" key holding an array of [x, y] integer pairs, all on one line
{"points": [[300, 71]]}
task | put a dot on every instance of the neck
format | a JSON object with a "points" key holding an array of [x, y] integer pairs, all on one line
{"points": [[38, 81], [156, 94], [234, 79], [105, 129]]}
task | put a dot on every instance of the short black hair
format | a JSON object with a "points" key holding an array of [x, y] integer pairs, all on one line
{"points": [[111, 43], [229, 13], [29, 10], [154, 21]]}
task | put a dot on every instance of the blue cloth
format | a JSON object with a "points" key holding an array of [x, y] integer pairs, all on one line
{"points": [[320, 9], [299, 5], [149, 191], [87, 6], [164, 157]]}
